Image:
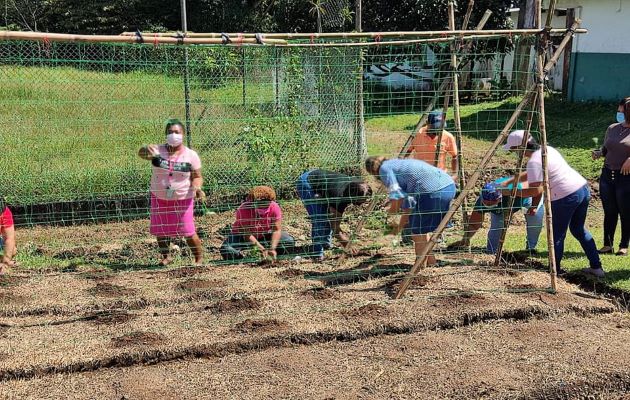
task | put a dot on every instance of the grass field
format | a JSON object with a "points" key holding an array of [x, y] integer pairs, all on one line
{"points": [[73, 135]]}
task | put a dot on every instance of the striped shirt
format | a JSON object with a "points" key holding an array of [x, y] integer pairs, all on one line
{"points": [[412, 177]]}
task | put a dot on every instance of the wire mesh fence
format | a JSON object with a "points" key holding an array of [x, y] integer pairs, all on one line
{"points": [[75, 115]]}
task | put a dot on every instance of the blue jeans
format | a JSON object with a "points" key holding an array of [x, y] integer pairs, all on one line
{"points": [[534, 227], [569, 213], [317, 209], [430, 209]]}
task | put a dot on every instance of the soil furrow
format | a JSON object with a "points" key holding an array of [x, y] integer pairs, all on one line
{"points": [[156, 356]]}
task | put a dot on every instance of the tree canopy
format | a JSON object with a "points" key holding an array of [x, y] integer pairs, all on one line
{"points": [[115, 16]]}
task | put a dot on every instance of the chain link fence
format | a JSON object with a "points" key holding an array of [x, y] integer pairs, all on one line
{"points": [[74, 116]]}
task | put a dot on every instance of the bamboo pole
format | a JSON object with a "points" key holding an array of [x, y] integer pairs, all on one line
{"points": [[456, 110], [471, 4], [542, 73], [362, 35], [149, 39], [546, 189], [404, 151], [420, 259], [447, 99], [507, 219]]}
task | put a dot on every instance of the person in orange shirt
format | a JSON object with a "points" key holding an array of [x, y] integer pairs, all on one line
{"points": [[424, 144]]}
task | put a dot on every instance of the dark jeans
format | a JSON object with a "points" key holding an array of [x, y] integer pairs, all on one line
{"points": [[614, 189], [235, 243], [569, 213], [317, 209]]}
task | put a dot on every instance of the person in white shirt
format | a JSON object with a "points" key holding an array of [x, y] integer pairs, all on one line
{"points": [[570, 197]]}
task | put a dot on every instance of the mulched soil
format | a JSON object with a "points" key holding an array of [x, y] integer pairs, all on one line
{"points": [[367, 311], [110, 317], [320, 293], [105, 289], [260, 326], [290, 273], [138, 339], [185, 272], [235, 305], [10, 280], [200, 284]]}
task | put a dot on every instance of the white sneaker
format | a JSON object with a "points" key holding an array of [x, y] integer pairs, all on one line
{"points": [[598, 272]]}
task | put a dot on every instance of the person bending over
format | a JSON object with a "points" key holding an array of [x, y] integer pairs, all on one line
{"points": [[326, 195]]}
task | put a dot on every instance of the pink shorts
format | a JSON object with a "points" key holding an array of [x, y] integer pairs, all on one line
{"points": [[172, 218]]}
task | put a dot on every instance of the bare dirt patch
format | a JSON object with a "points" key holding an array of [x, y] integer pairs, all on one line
{"points": [[185, 272], [97, 275], [235, 304], [110, 317], [138, 338], [8, 297], [367, 311], [10, 280], [105, 289], [320, 293], [459, 299], [260, 326], [290, 273], [194, 284]]}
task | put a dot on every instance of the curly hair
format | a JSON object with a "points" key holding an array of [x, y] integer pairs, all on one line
{"points": [[262, 193]]}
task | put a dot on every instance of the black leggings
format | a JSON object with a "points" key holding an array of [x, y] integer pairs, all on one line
{"points": [[614, 190]]}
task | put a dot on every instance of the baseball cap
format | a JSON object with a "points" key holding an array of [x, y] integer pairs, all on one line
{"points": [[436, 119], [515, 139], [490, 192]]}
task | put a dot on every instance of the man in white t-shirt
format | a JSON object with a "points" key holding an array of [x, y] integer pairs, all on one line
{"points": [[570, 196]]}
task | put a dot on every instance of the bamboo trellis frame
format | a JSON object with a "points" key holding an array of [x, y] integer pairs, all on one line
{"points": [[535, 89]]}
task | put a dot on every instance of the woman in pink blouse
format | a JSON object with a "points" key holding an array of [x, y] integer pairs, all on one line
{"points": [[175, 184]]}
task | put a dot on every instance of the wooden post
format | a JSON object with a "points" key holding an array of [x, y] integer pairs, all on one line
{"points": [[542, 74], [445, 104], [471, 4], [566, 62], [404, 151], [529, 93], [546, 189], [186, 77], [357, 16]]}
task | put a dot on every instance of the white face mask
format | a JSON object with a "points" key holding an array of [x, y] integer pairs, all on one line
{"points": [[174, 139]]}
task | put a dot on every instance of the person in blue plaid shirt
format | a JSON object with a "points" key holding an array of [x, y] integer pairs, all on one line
{"points": [[422, 191]]}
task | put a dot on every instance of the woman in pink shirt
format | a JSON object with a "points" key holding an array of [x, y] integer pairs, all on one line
{"points": [[258, 223], [175, 184], [7, 240]]}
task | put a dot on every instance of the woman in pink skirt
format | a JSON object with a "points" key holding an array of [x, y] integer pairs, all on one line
{"points": [[175, 184]]}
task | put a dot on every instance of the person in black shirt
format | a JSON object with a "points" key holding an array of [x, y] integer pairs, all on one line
{"points": [[326, 195]]}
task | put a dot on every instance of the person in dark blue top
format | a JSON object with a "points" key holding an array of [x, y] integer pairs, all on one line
{"points": [[491, 201], [326, 195], [422, 191]]}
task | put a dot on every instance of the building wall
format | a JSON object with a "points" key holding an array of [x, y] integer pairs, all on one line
{"points": [[600, 59]]}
